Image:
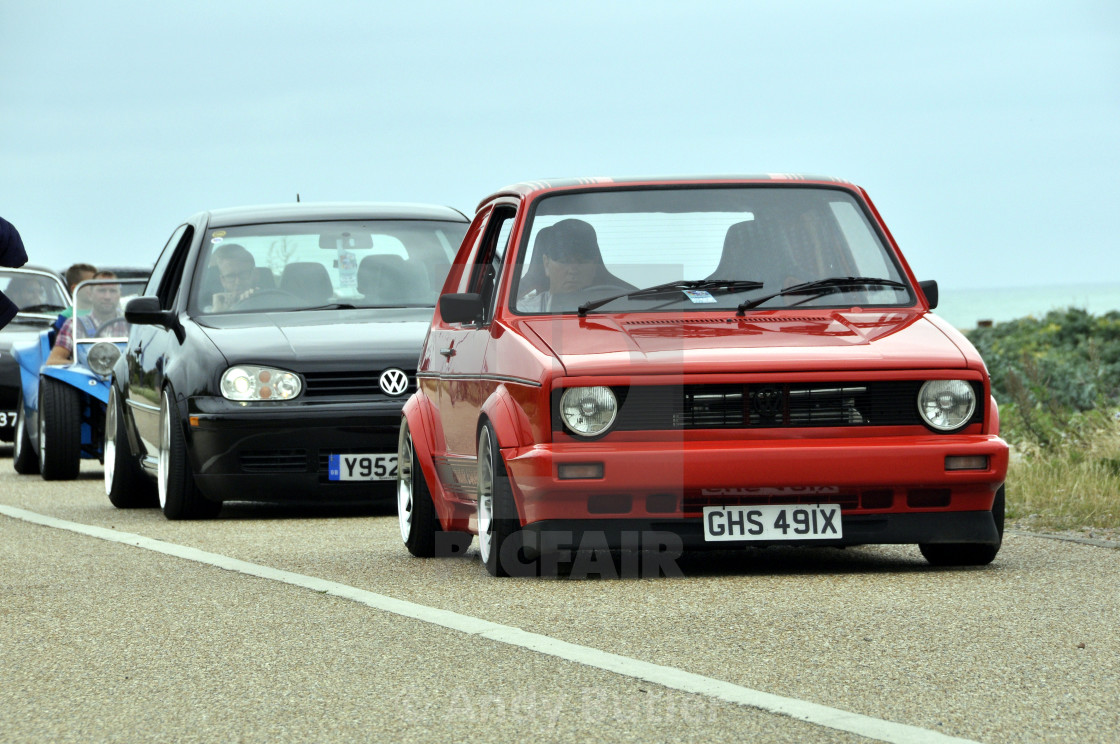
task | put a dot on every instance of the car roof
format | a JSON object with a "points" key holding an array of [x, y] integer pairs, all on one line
{"points": [[528, 188], [37, 270], [323, 211]]}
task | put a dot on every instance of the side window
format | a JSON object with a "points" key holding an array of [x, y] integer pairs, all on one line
{"points": [[160, 268], [172, 281], [488, 264]]}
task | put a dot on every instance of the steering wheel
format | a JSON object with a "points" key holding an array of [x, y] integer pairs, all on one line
{"points": [[279, 299], [107, 325]]}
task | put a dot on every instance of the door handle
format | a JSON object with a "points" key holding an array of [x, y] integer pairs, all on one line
{"points": [[448, 352]]}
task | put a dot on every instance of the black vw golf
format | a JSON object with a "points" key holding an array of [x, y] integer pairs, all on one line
{"points": [[271, 354]]}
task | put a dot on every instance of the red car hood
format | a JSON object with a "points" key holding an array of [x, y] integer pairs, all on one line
{"points": [[829, 340]]}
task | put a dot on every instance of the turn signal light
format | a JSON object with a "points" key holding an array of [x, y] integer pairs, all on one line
{"points": [[579, 470], [966, 462]]}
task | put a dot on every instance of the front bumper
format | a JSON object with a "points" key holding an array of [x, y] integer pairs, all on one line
{"points": [[890, 489], [659, 535], [269, 454]]}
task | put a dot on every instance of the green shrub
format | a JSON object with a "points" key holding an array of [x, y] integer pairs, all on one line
{"points": [[1057, 379]]}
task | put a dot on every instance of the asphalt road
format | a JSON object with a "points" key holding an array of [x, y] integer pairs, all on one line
{"points": [[282, 624]]}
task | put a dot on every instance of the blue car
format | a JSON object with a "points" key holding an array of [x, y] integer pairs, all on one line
{"points": [[60, 418]]}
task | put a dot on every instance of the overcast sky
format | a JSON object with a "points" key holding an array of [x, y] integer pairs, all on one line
{"points": [[987, 133]]}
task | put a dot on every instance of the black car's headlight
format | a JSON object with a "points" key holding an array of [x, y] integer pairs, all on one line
{"points": [[249, 382], [588, 411], [102, 356], [946, 405]]}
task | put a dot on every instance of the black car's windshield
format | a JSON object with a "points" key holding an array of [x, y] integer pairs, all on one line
{"points": [[703, 249], [324, 265]]}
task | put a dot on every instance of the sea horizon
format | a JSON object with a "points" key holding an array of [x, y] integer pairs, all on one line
{"points": [[968, 308]]}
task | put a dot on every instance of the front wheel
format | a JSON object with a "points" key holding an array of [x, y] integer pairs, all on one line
{"points": [[125, 485], [60, 430], [415, 511], [178, 494], [968, 554], [24, 459], [500, 537]]}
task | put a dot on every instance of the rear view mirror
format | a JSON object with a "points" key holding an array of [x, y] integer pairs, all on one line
{"points": [[929, 288], [146, 311], [461, 308]]}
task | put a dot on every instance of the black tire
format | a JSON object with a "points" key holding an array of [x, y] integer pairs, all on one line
{"points": [[125, 483], [416, 513], [178, 493], [60, 430], [968, 554], [500, 537], [24, 459]]}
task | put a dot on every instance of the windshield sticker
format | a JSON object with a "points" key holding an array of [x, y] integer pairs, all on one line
{"points": [[218, 234], [698, 295], [215, 241]]}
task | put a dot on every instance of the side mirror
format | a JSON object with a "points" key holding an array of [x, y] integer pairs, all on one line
{"points": [[929, 288], [146, 311], [461, 308]]}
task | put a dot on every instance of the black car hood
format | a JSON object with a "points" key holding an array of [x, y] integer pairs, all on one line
{"points": [[327, 337]]}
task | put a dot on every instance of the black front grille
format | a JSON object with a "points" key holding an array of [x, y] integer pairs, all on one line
{"points": [[769, 405], [274, 461], [363, 384]]}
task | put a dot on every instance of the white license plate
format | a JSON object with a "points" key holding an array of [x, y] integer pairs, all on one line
{"points": [[362, 467], [792, 522]]}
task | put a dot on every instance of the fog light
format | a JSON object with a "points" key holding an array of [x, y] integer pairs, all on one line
{"points": [[579, 470], [966, 462]]}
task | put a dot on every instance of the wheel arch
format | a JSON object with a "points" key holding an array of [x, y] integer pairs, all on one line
{"points": [[501, 412], [417, 413]]}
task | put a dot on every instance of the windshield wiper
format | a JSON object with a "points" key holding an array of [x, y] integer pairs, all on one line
{"points": [[45, 308], [822, 287], [332, 306], [719, 286]]}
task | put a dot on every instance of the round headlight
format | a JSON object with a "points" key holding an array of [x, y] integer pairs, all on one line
{"points": [[946, 404], [102, 356], [248, 382], [588, 411]]}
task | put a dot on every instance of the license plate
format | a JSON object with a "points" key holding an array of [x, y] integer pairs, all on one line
{"points": [[7, 418], [793, 522], [362, 467]]}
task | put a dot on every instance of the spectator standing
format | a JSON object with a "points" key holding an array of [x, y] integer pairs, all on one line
{"points": [[13, 256], [75, 275]]}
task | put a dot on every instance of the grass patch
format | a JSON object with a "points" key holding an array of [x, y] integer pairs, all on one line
{"points": [[1067, 489]]}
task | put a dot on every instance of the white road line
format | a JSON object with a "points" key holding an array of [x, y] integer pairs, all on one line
{"points": [[677, 679]]}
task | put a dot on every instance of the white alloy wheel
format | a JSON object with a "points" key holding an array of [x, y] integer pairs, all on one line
{"points": [[110, 440], [17, 447], [485, 497], [405, 490], [42, 434], [164, 449]]}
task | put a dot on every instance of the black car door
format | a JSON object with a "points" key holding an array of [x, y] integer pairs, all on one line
{"points": [[148, 344]]}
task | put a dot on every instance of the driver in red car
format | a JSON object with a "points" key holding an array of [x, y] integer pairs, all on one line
{"points": [[569, 263], [105, 319]]}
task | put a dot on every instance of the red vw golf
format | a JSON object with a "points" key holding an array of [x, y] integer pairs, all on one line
{"points": [[729, 362]]}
